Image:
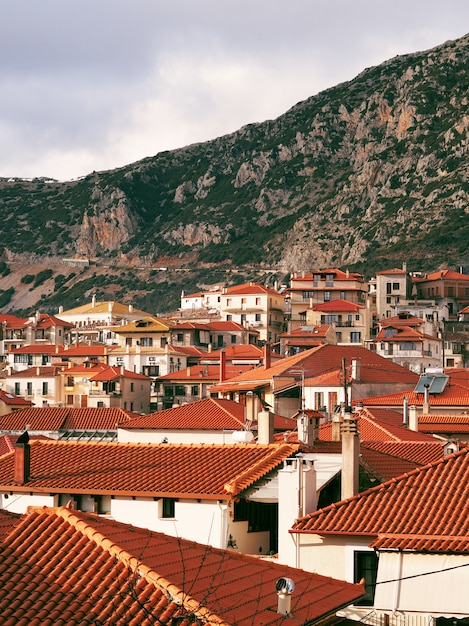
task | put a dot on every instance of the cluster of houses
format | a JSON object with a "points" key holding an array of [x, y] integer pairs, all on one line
{"points": [[292, 455]]}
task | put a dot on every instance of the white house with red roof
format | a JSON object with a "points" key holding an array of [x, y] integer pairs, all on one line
{"points": [[321, 286], [351, 320], [407, 538], [10, 402], [408, 347], [40, 329], [305, 338], [99, 385], [392, 287], [40, 385]]}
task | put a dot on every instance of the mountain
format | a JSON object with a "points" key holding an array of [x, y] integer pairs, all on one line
{"points": [[366, 174]]}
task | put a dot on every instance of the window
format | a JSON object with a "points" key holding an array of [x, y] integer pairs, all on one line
{"points": [[366, 566], [327, 296], [258, 317], [45, 388], [128, 341], [357, 317], [146, 342], [450, 291], [388, 288], [131, 387], [17, 389], [29, 389], [180, 337], [243, 318], [307, 295], [151, 370], [395, 286], [258, 301], [179, 390], [168, 391], [194, 390], [229, 318], [408, 345], [168, 507], [355, 337], [163, 342]]}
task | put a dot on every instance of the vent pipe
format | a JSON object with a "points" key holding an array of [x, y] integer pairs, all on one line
{"points": [[265, 427], [405, 412], [285, 587], [222, 366]]}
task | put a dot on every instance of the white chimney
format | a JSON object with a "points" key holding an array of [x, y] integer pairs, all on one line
{"points": [[308, 428], [93, 300], [356, 373], [413, 419], [265, 427], [285, 587], [350, 456]]}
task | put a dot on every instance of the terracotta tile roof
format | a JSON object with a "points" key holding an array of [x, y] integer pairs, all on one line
{"points": [[455, 424], [205, 372], [338, 274], [59, 566], [318, 361], [421, 452], [11, 400], [338, 305], [384, 466], [379, 425], [446, 274], [38, 371], [399, 320], [227, 326], [45, 320], [308, 331], [101, 372], [237, 351], [430, 502], [87, 351], [453, 395], [63, 418], [251, 288], [404, 333], [150, 470], [43, 348], [207, 414], [7, 442]]}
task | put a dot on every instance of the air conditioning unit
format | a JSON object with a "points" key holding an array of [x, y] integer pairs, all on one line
{"points": [[120, 359], [152, 359]]}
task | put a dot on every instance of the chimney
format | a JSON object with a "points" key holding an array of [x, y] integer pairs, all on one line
{"points": [[61, 309], [356, 370], [267, 356], [336, 424], [109, 307], [222, 366], [22, 459], [93, 300], [265, 427], [350, 456], [38, 370], [308, 428], [413, 419], [426, 400], [131, 308], [405, 412]]}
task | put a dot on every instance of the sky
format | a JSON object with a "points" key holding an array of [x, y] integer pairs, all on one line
{"points": [[91, 85]]}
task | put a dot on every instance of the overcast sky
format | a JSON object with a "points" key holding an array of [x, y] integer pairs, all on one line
{"points": [[96, 84]]}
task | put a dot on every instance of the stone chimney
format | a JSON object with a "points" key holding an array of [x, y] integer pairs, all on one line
{"points": [[265, 427], [336, 426], [22, 460], [350, 456]]}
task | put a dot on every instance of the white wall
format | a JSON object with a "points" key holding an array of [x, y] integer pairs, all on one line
{"points": [[409, 590], [174, 436], [19, 502]]}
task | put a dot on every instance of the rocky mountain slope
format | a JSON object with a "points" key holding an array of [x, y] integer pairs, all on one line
{"points": [[365, 175]]}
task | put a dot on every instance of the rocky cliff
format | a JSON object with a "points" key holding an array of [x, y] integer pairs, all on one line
{"points": [[366, 174]]}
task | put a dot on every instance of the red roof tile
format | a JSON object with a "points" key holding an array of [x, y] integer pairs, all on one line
{"points": [[317, 361], [431, 503], [207, 414], [146, 469], [11, 400], [63, 418], [62, 566], [338, 305]]}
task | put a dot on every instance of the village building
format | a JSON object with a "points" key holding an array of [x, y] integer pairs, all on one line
{"points": [[97, 322], [69, 423], [407, 538], [305, 338], [318, 287], [70, 567], [99, 385], [352, 321], [282, 386]]}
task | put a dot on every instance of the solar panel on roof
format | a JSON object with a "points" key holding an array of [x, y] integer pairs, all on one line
{"points": [[435, 383]]}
